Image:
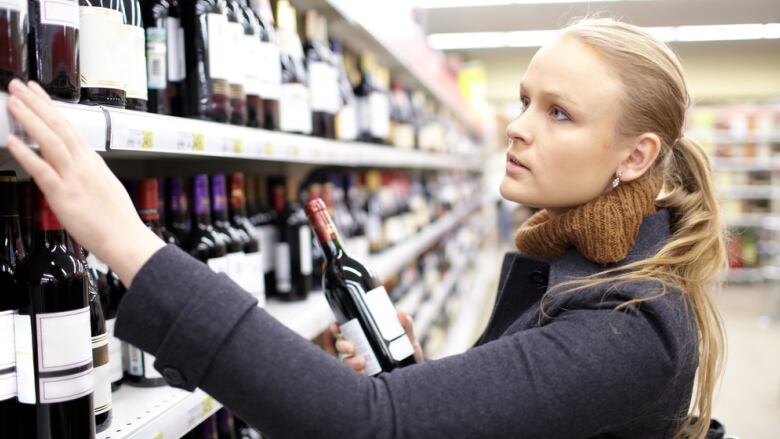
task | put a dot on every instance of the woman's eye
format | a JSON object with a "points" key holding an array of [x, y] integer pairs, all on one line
{"points": [[558, 114], [523, 104]]}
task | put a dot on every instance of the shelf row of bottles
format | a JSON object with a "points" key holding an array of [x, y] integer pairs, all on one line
{"points": [[231, 61], [744, 130], [750, 247]]}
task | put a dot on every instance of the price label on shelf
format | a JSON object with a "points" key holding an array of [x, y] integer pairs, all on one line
{"points": [[198, 142], [207, 405], [158, 436], [295, 151], [268, 149], [148, 140], [238, 146], [184, 142], [230, 144]]}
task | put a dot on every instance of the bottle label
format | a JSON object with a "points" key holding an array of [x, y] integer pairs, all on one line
{"points": [[253, 73], [295, 109], [218, 34], [156, 58], [140, 364], [99, 37], [268, 243], [235, 266], [386, 319], [271, 68], [283, 275], [7, 355], [60, 13], [346, 123], [218, 265], [353, 333], [14, 5], [115, 365], [380, 115], [235, 42], [175, 34], [25, 366], [304, 235], [134, 39], [322, 81], [253, 275], [100, 364]]}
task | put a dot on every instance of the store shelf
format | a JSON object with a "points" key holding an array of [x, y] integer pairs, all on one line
{"points": [[431, 308], [412, 300], [749, 192], [771, 273], [725, 136], [744, 275], [759, 220], [746, 164]]}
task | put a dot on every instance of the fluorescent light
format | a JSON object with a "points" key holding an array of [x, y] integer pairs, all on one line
{"points": [[537, 38], [444, 4]]}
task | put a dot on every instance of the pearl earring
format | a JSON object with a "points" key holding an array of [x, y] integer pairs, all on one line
{"points": [[616, 181]]}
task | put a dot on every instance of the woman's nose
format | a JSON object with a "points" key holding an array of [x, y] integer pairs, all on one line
{"points": [[518, 131]]}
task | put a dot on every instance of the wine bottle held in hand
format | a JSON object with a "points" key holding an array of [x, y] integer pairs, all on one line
{"points": [[362, 306]]}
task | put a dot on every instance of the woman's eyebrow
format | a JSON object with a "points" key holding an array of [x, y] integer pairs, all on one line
{"points": [[553, 95]]}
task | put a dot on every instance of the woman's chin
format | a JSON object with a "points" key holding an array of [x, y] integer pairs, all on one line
{"points": [[513, 191]]}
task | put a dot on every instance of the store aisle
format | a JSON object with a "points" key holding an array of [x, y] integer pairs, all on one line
{"points": [[748, 402]]}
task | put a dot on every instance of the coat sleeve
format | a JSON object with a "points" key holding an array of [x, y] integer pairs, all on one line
{"points": [[588, 370]]}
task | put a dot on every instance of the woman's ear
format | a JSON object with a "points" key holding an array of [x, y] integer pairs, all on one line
{"points": [[646, 148]]}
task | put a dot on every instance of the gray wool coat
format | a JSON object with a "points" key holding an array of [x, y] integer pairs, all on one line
{"points": [[583, 371]]}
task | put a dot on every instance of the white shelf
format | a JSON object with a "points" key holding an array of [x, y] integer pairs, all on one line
{"points": [[431, 308], [744, 275], [760, 220], [725, 136], [749, 192], [746, 164]]}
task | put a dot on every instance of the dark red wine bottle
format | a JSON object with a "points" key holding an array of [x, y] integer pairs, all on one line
{"points": [[167, 236], [293, 250], [253, 279], [270, 65], [11, 252], [14, 30], [203, 243], [226, 428], [134, 44], [263, 218], [53, 337], [25, 191], [362, 306], [101, 66], [165, 68], [205, 31], [54, 47], [222, 227], [322, 78], [176, 209], [236, 28]]}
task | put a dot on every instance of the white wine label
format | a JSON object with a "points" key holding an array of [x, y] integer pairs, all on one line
{"points": [[136, 61], [380, 114], [219, 265], [254, 276], [271, 68], [304, 234], [353, 333], [268, 243], [100, 373], [59, 389], [295, 109], [60, 12], [253, 73], [321, 81], [218, 34], [175, 35], [140, 363], [235, 42], [100, 36], [25, 366], [401, 348], [384, 313], [346, 123], [235, 267], [156, 58], [7, 355], [63, 340], [115, 366], [283, 275], [14, 5]]}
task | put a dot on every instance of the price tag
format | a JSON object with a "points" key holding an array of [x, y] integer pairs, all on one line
{"points": [[207, 405], [158, 436], [238, 146], [148, 139], [268, 149], [184, 142], [317, 152], [134, 139], [295, 151], [198, 142]]}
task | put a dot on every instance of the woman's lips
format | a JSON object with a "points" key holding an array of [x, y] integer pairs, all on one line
{"points": [[514, 166]]}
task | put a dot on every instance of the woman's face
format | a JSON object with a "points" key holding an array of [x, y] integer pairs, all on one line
{"points": [[563, 148]]}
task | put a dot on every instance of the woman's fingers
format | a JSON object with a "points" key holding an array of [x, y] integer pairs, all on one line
{"points": [[44, 175], [52, 147], [38, 101], [344, 347], [357, 363]]}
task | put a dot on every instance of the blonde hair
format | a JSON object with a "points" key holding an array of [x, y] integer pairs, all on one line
{"points": [[655, 100]]}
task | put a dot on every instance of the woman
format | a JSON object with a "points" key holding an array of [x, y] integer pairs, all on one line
{"points": [[602, 321]]}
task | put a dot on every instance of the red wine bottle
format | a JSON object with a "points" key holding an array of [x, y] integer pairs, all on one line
{"points": [[54, 47], [11, 252], [226, 428], [361, 305], [203, 243], [263, 218], [134, 44], [103, 76], [253, 279], [270, 65], [252, 71], [167, 236], [223, 228], [236, 27], [14, 30], [293, 250], [25, 191], [205, 30], [295, 99], [165, 69], [52, 334], [176, 210], [100, 349]]}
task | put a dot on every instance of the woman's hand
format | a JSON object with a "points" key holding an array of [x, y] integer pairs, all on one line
{"points": [[86, 196], [358, 362]]}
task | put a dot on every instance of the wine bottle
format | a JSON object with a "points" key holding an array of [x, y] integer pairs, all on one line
{"points": [[264, 220], [11, 252], [317, 258], [110, 296], [401, 117], [322, 79], [205, 32], [167, 235], [293, 250], [177, 216], [373, 104], [362, 307], [165, 66], [26, 208], [236, 27], [345, 124], [139, 367], [222, 227], [250, 55], [270, 64], [203, 243], [54, 47], [134, 44], [253, 279], [100, 349], [295, 101], [52, 334], [225, 424], [103, 76], [14, 31], [374, 212]]}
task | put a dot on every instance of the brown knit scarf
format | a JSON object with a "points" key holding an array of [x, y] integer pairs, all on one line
{"points": [[603, 230]]}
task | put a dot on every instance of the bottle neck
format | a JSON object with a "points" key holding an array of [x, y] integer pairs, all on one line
{"points": [[326, 234]]}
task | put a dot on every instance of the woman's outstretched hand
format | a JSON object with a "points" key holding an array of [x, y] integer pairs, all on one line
{"points": [[86, 196], [356, 361]]}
